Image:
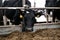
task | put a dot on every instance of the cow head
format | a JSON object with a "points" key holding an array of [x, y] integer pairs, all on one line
{"points": [[29, 19], [38, 13]]}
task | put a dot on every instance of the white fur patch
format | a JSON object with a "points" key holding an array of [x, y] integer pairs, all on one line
{"points": [[27, 12]]}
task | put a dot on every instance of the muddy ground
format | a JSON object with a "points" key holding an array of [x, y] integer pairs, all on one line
{"points": [[45, 34]]}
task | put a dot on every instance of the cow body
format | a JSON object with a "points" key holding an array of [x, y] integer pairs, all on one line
{"points": [[56, 12], [12, 14], [9, 13], [50, 3], [1, 14]]}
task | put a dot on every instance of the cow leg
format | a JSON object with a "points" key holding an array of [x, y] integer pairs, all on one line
{"points": [[24, 25], [54, 15], [48, 11], [53, 18], [16, 18]]}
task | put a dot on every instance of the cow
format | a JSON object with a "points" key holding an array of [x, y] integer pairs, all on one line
{"points": [[50, 3], [9, 13], [56, 12], [1, 14], [14, 15]]}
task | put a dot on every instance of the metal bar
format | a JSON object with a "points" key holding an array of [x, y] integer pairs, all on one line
{"points": [[30, 8], [11, 7], [4, 20], [46, 8], [23, 2], [34, 4], [36, 24], [23, 8]]}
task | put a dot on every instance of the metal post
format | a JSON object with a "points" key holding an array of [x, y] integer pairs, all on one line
{"points": [[47, 18], [4, 20], [0, 3], [23, 2], [46, 15], [34, 4]]}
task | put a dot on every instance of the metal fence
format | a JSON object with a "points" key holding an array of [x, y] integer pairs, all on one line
{"points": [[4, 17], [29, 8]]}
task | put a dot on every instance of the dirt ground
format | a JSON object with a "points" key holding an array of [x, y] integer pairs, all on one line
{"points": [[45, 34]]}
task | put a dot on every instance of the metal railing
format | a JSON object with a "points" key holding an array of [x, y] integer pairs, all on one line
{"points": [[29, 8], [4, 18]]}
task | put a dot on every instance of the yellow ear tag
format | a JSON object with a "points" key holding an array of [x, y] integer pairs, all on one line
{"points": [[21, 16]]}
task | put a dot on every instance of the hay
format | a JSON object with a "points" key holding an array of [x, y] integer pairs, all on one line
{"points": [[46, 34]]}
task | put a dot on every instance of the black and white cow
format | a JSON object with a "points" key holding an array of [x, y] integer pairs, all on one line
{"points": [[14, 15], [56, 12], [50, 3], [10, 13], [1, 14]]}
